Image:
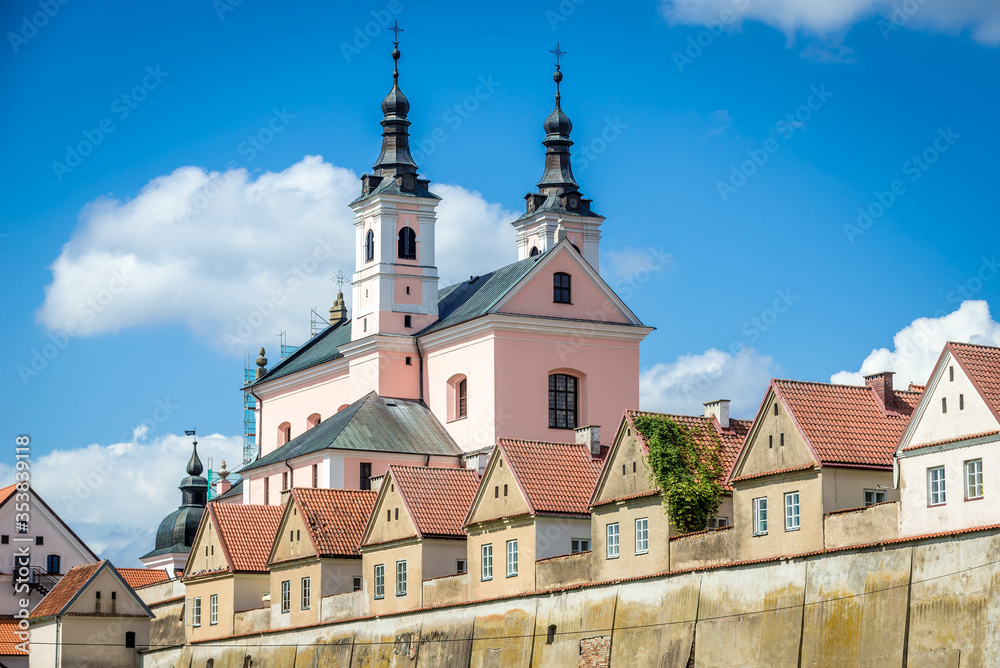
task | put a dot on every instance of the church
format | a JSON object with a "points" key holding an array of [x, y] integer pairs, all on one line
{"points": [[426, 375]]}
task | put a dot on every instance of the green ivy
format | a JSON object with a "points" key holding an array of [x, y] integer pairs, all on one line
{"points": [[688, 473]]}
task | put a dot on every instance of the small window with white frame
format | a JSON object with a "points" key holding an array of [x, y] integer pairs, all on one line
{"points": [[760, 516], [196, 611], [935, 486], [213, 610], [286, 596], [487, 562], [461, 566], [305, 591], [401, 577], [873, 496], [380, 581], [578, 545], [612, 534], [642, 535], [511, 558], [718, 522], [792, 511], [974, 479]]}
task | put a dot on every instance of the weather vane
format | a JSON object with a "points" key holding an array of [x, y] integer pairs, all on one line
{"points": [[558, 52], [396, 29], [340, 279]]}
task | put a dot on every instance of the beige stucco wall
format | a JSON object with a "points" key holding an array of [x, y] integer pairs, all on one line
{"points": [[628, 563], [760, 457], [204, 587], [562, 571], [618, 482], [493, 503], [444, 590], [294, 573], [934, 425], [523, 531], [409, 551], [778, 541], [88, 642], [344, 606], [844, 488], [856, 527], [705, 548], [167, 627], [384, 525]]}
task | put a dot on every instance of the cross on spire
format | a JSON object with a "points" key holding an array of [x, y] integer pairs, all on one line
{"points": [[339, 279], [558, 52], [396, 30], [557, 77]]}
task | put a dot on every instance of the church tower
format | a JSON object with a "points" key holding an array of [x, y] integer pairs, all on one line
{"points": [[395, 282], [558, 208]]}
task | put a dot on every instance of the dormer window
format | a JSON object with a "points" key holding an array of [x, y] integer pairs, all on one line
{"points": [[534, 251], [369, 246], [407, 244], [561, 288]]}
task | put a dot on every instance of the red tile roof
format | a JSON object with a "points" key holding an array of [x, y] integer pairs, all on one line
{"points": [[846, 424], [556, 477], [143, 577], [8, 638], [65, 590], [437, 498], [6, 492], [730, 440], [246, 533], [982, 364], [787, 469], [335, 518]]}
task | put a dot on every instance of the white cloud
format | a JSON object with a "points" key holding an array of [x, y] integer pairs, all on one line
{"points": [[981, 18], [114, 496], [682, 386], [917, 346], [238, 259]]}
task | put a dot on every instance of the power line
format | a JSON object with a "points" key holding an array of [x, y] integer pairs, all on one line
{"points": [[561, 633]]}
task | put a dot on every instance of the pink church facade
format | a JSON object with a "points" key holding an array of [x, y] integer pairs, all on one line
{"points": [[528, 351]]}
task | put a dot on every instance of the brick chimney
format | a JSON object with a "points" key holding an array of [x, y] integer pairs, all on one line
{"points": [[590, 436], [719, 409], [882, 384]]}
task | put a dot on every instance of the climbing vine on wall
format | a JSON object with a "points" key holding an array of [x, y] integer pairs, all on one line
{"points": [[688, 471]]}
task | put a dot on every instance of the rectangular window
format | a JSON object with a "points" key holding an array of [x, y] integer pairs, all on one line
{"points": [[267, 491], [511, 558], [306, 590], [562, 401], [579, 545], [961, 402], [642, 535], [974, 479], [935, 486], [380, 581], [213, 610], [561, 288], [718, 522], [366, 475], [286, 596], [792, 511], [357, 583], [460, 566], [284, 480], [944, 404], [52, 564], [760, 516], [613, 541], [315, 476], [487, 562], [401, 578], [873, 496], [195, 611]]}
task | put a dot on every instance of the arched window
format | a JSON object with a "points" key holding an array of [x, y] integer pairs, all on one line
{"points": [[563, 397], [369, 246], [560, 288], [53, 564], [407, 244], [342, 407], [284, 433], [534, 251], [313, 420], [463, 398]]}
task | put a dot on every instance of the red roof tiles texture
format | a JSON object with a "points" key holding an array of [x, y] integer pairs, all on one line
{"points": [[6, 492], [983, 364], [247, 533], [65, 589], [846, 424], [730, 440], [142, 577], [8, 638], [556, 477], [437, 498], [335, 518]]}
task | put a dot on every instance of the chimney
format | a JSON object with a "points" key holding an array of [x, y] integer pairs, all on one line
{"points": [[590, 436], [719, 409], [881, 383]]}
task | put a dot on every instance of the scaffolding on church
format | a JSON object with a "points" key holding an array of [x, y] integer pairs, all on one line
{"points": [[249, 414], [317, 323], [286, 349]]}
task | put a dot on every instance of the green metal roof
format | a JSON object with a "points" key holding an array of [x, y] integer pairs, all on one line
{"points": [[321, 348], [372, 424]]}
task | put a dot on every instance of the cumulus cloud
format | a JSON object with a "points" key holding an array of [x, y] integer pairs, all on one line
{"points": [[682, 386], [114, 496], [980, 18], [917, 346], [238, 258]]}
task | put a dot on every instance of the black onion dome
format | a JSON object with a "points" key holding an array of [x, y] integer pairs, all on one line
{"points": [[177, 530], [194, 467], [558, 123], [395, 103]]}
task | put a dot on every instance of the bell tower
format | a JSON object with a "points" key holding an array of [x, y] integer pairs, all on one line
{"points": [[395, 283], [558, 202]]}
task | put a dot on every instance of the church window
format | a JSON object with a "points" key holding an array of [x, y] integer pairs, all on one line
{"points": [[369, 246], [407, 244], [407, 321], [562, 401], [560, 288], [366, 475], [534, 251], [313, 420], [463, 398], [284, 433]]}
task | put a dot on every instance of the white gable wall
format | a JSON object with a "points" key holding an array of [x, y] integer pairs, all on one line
{"points": [[935, 425]]}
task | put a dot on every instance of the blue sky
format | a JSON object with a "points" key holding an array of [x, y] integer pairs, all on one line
{"points": [[729, 146]]}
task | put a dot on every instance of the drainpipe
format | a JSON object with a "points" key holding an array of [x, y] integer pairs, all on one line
{"points": [[420, 363], [291, 475], [260, 419]]}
